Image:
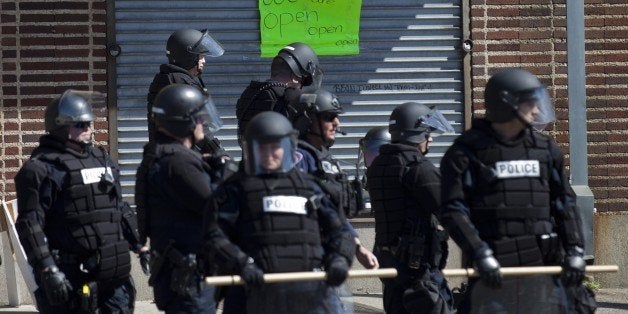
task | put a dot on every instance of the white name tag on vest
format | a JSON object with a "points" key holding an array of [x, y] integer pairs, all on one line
{"points": [[518, 169], [328, 167], [285, 204], [93, 175]]}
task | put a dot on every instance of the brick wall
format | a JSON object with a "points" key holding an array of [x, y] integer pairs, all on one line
{"points": [[47, 47], [532, 34]]}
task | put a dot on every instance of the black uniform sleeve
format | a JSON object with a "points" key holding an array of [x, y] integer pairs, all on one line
{"points": [[130, 226], [219, 231], [334, 228], [190, 180], [36, 192], [424, 183], [563, 202], [455, 212]]}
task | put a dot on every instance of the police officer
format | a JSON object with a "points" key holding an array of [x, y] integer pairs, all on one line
{"points": [[72, 222], [316, 117], [175, 186], [506, 199], [295, 66], [404, 187], [186, 50], [276, 219]]}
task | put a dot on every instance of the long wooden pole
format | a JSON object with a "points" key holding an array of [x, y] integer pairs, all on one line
{"points": [[528, 271], [391, 272], [301, 276]]}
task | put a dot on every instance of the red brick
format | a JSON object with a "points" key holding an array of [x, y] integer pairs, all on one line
{"points": [[508, 23], [502, 35]]}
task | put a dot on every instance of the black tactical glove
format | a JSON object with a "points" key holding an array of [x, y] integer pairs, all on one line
{"points": [[145, 262], [337, 271], [573, 266], [56, 286], [488, 267], [251, 274]]}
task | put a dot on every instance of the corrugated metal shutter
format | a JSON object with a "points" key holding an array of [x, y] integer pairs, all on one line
{"points": [[409, 51]]}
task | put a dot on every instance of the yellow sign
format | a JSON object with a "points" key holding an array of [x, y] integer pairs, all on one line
{"points": [[330, 27]]}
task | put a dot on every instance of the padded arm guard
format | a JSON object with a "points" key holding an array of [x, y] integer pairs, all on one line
{"points": [[130, 227], [226, 255], [35, 243]]}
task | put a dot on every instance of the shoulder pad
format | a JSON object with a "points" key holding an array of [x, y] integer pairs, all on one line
{"points": [[475, 139]]}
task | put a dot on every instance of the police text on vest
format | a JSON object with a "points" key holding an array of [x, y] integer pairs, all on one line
{"points": [[518, 169], [93, 175], [285, 204]]}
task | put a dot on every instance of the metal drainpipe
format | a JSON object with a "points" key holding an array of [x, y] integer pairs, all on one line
{"points": [[576, 90]]}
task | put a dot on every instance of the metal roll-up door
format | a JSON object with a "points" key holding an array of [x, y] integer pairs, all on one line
{"points": [[409, 51]]}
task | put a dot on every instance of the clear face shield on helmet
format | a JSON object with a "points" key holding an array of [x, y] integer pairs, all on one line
{"points": [[76, 106], [436, 123], [207, 45], [207, 115], [540, 99], [369, 149], [317, 75], [269, 156]]}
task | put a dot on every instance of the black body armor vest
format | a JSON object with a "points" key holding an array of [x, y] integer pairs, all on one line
{"points": [[278, 223], [396, 212], [259, 97], [508, 185], [332, 179], [87, 228]]}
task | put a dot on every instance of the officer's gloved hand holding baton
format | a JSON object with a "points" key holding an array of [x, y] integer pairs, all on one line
{"points": [[488, 267], [56, 286], [573, 266], [337, 271], [251, 274]]}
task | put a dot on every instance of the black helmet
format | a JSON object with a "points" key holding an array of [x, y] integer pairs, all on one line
{"points": [[71, 107], [509, 88], [413, 122], [266, 129], [179, 107], [185, 45], [320, 101], [303, 62], [371, 142]]}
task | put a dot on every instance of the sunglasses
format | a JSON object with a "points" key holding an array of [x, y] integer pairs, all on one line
{"points": [[82, 125]]}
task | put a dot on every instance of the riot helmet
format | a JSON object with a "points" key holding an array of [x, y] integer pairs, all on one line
{"points": [[315, 107], [303, 62], [415, 123], [269, 144], [71, 108], [371, 142], [186, 45], [178, 108], [509, 91]]}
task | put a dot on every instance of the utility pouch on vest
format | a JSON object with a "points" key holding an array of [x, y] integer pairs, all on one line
{"points": [[185, 280], [517, 251], [112, 261], [410, 250], [88, 298], [550, 248]]}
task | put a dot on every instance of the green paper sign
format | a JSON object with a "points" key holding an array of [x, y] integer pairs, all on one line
{"points": [[330, 27]]}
